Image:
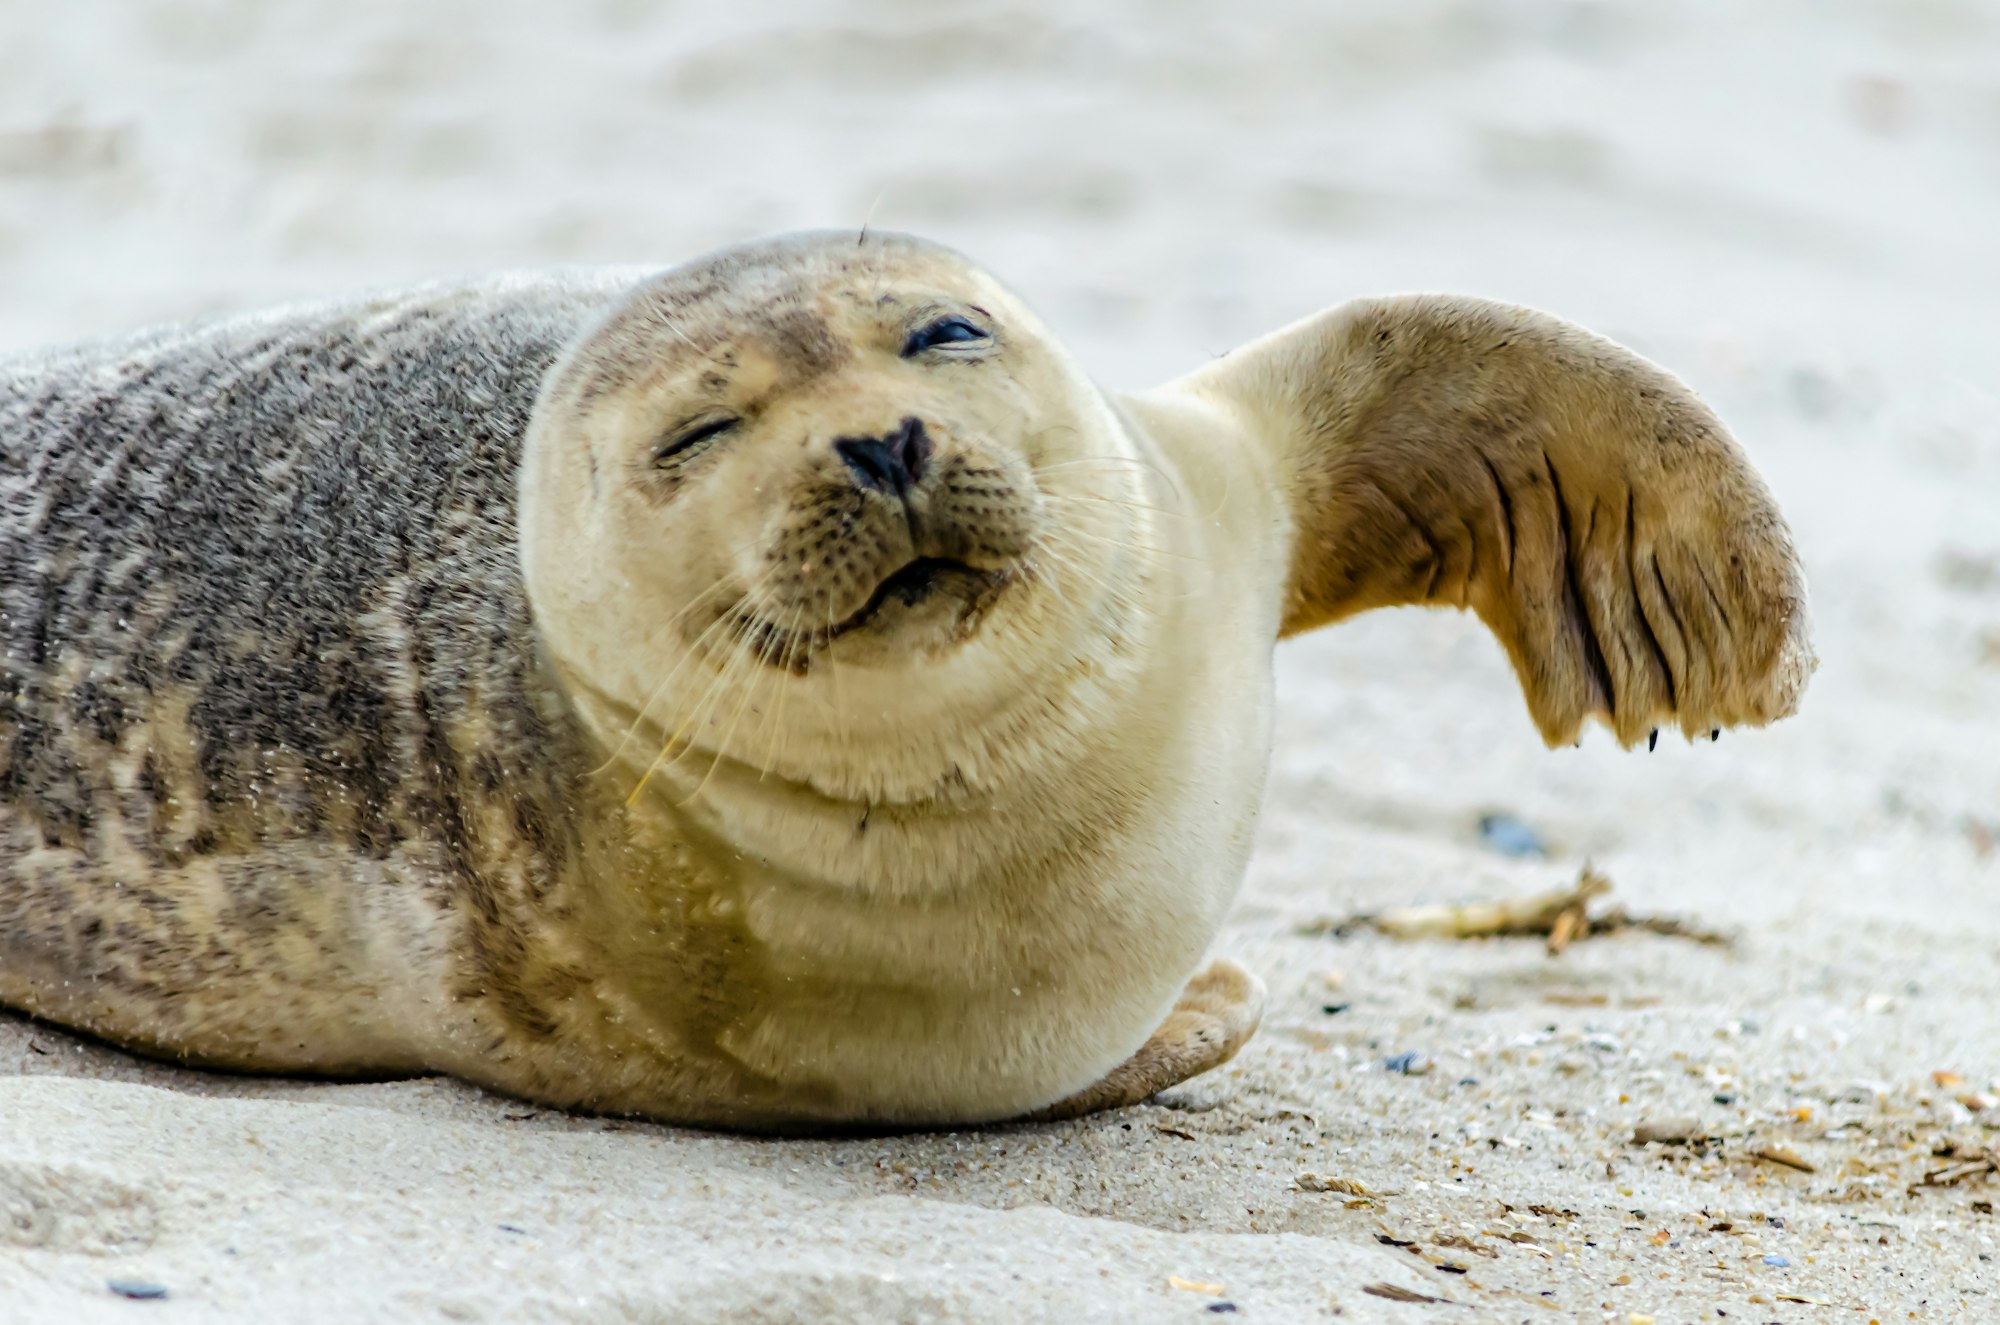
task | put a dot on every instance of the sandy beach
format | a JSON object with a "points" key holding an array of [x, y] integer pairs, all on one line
{"points": [[1792, 205]]}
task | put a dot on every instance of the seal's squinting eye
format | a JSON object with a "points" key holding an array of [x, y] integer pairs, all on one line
{"points": [[692, 436], [944, 331]]}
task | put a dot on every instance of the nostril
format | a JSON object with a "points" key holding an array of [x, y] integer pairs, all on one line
{"points": [[891, 463], [874, 463], [913, 445]]}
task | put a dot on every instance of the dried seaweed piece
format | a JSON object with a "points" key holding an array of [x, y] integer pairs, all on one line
{"points": [[1319, 1182], [1561, 916], [1464, 1243], [1953, 1174], [1536, 914], [1395, 1294]]}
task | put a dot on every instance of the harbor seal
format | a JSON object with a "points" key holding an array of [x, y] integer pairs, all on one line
{"points": [[780, 691]]}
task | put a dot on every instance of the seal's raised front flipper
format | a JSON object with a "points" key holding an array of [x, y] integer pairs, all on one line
{"points": [[1593, 512]]}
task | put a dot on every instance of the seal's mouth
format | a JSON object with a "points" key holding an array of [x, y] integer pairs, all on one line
{"points": [[909, 585], [949, 594]]}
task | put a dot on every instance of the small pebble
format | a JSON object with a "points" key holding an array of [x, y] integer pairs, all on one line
{"points": [[1334, 1009], [1411, 1064], [1778, 1261], [1510, 836], [1222, 1308], [137, 1289]]}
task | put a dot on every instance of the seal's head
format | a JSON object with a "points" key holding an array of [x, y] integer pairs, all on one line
{"points": [[853, 470]]}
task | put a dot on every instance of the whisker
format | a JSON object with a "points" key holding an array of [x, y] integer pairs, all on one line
{"points": [[745, 661], [1117, 501], [1062, 564], [639, 718], [839, 699], [652, 636], [1140, 461], [1129, 546], [736, 625], [1068, 557], [800, 642], [863, 237], [776, 667]]}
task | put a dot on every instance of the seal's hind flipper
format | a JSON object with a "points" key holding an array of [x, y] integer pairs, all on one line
{"points": [[1593, 512], [1214, 1017]]}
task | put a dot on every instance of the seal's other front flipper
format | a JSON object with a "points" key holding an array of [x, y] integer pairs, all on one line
{"points": [[1594, 513]]}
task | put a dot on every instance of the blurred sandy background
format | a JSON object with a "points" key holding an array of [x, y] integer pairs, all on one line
{"points": [[1795, 205]]}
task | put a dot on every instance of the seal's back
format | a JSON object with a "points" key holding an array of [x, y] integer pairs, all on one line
{"points": [[257, 587]]}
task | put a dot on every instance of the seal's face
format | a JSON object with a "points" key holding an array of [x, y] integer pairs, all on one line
{"points": [[832, 460], [859, 458]]}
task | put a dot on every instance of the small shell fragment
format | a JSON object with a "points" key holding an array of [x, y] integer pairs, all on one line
{"points": [[1783, 1155], [1668, 1131]]}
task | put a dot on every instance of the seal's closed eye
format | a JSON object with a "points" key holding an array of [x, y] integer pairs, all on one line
{"points": [[944, 331], [692, 436]]}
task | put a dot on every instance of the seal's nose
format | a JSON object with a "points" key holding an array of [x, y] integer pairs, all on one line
{"points": [[891, 463]]}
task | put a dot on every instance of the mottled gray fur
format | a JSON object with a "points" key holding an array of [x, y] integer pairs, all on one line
{"points": [[258, 587]]}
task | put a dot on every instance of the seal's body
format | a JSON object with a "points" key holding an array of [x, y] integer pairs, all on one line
{"points": [[274, 737], [778, 691]]}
